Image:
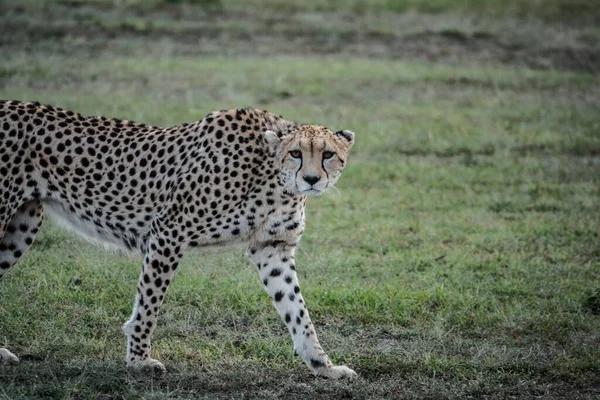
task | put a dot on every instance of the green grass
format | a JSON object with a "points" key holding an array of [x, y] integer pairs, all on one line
{"points": [[546, 9], [458, 257]]}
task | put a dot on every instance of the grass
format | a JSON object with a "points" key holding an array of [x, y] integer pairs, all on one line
{"points": [[546, 9], [459, 257]]}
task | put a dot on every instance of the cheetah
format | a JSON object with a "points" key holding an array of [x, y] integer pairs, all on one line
{"points": [[239, 176]]}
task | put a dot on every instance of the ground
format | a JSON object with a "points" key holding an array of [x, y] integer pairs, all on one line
{"points": [[459, 257]]}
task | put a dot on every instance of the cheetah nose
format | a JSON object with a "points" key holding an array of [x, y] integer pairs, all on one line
{"points": [[311, 179]]}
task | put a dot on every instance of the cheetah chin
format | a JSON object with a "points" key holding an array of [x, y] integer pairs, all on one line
{"points": [[236, 176]]}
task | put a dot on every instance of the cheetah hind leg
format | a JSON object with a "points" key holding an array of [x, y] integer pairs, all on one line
{"points": [[7, 357], [14, 241]]}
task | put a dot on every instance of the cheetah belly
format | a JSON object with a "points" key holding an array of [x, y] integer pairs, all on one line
{"points": [[89, 230]]}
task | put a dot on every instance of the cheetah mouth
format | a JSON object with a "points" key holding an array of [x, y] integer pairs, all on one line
{"points": [[312, 192]]}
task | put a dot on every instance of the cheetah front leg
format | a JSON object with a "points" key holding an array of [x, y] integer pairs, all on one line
{"points": [[160, 263], [277, 271]]}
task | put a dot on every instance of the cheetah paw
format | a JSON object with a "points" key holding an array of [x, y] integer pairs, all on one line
{"points": [[149, 363], [337, 372], [7, 357]]}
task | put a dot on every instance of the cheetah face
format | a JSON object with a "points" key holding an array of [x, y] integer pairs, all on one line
{"points": [[311, 158]]}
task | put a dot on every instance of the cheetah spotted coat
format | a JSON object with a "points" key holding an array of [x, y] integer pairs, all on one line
{"points": [[237, 176]]}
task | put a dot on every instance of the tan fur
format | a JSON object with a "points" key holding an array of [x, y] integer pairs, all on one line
{"points": [[313, 141]]}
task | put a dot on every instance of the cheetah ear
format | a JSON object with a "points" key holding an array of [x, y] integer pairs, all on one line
{"points": [[272, 138], [347, 136]]}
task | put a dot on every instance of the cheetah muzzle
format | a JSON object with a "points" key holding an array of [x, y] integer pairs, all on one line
{"points": [[237, 176]]}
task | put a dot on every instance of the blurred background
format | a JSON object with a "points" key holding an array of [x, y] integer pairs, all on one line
{"points": [[459, 257]]}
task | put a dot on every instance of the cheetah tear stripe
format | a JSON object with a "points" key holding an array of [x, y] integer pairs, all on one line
{"points": [[236, 176]]}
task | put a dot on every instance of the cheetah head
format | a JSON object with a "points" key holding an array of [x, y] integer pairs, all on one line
{"points": [[311, 158]]}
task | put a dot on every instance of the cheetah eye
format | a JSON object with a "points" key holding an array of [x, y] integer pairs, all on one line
{"points": [[296, 153], [328, 154]]}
